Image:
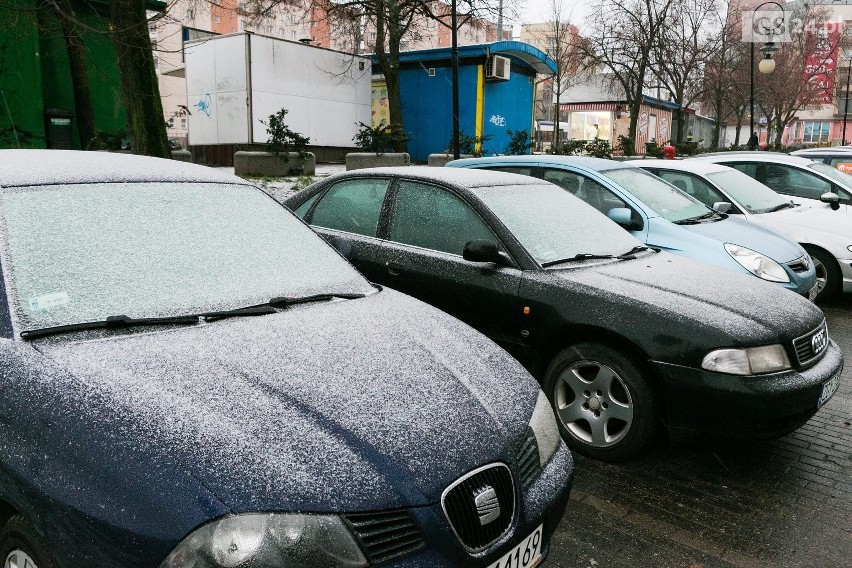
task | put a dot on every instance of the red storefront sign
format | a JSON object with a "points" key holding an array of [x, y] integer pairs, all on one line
{"points": [[821, 64]]}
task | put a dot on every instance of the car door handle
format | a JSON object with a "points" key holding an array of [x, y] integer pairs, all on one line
{"points": [[393, 268]]}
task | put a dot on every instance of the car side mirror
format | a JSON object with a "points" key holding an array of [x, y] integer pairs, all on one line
{"points": [[621, 215], [721, 207], [832, 199], [484, 251]]}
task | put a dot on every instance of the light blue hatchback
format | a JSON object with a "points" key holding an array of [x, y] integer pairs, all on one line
{"points": [[664, 217]]}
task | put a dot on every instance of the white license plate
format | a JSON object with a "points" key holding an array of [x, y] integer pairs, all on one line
{"points": [[829, 389], [525, 555]]}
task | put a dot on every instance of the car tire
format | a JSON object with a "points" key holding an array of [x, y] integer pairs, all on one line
{"points": [[603, 401], [20, 546], [828, 274]]}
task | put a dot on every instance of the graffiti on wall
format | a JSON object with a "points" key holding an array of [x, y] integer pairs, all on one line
{"points": [[498, 120], [205, 104]]}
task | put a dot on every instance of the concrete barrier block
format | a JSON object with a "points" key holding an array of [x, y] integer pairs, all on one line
{"points": [[182, 155], [267, 164], [361, 160], [440, 160]]}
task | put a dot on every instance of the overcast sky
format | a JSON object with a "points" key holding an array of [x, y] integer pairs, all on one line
{"points": [[535, 11]]}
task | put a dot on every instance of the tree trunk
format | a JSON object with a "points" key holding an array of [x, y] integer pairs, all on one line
{"points": [[139, 80], [84, 115], [389, 64], [739, 128]]}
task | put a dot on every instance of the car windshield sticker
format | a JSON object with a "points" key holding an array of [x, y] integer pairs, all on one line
{"points": [[49, 301]]}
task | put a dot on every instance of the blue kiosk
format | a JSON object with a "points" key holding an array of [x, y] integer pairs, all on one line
{"points": [[497, 83]]}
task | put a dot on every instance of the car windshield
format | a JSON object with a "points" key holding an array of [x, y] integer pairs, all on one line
{"points": [[554, 225], [664, 199], [82, 253], [749, 193], [843, 179]]}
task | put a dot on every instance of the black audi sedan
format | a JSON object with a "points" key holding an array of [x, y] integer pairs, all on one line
{"points": [[192, 378], [622, 337]]}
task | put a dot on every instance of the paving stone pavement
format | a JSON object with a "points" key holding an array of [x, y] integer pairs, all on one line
{"points": [[762, 504]]}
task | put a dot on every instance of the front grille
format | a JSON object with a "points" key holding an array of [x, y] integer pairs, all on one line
{"points": [[810, 346], [800, 265], [480, 506], [385, 535], [527, 458]]}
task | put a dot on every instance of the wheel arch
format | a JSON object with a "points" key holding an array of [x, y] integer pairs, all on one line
{"points": [[545, 350], [7, 511]]}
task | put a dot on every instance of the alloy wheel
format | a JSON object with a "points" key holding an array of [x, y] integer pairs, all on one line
{"points": [[593, 403], [19, 559]]}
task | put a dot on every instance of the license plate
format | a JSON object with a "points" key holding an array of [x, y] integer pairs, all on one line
{"points": [[812, 294], [525, 555], [828, 389]]}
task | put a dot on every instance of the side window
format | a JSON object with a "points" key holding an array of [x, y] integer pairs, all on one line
{"points": [[433, 218], [748, 168], [303, 209], [694, 186], [586, 189], [352, 206], [792, 181]]}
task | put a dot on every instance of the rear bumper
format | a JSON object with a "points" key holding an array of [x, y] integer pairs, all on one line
{"points": [[751, 406]]}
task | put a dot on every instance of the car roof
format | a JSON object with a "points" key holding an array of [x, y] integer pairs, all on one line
{"points": [[595, 164], [835, 151], [458, 176], [695, 166], [51, 167], [757, 156]]}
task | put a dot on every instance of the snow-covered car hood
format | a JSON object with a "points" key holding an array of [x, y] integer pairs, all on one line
{"points": [[740, 232], [700, 303], [806, 216], [335, 406]]}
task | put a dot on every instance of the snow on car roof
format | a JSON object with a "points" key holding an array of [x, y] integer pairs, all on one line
{"points": [[694, 166], [48, 167], [459, 176]]}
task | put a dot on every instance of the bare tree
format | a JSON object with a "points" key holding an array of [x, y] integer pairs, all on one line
{"points": [[689, 37], [562, 44], [804, 68], [623, 35], [139, 84], [724, 82]]}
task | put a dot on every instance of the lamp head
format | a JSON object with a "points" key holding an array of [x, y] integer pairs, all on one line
{"points": [[766, 65]]}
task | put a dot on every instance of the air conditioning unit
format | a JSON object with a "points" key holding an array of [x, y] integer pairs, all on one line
{"points": [[497, 68]]}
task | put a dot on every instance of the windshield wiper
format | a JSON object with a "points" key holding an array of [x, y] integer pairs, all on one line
{"points": [[112, 322], [782, 206], [122, 321], [697, 220], [631, 254]]}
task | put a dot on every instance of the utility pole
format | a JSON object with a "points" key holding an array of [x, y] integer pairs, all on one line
{"points": [[455, 58]]}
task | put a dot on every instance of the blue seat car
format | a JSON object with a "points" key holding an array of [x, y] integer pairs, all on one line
{"points": [[662, 216]]}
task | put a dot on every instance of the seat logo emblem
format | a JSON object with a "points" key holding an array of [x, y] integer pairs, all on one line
{"points": [[487, 504], [819, 342]]}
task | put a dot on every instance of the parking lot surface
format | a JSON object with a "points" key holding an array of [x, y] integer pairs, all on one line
{"points": [[714, 504]]}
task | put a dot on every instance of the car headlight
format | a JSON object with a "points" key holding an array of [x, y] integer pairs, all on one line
{"points": [[543, 424], [758, 264], [750, 361], [267, 540]]}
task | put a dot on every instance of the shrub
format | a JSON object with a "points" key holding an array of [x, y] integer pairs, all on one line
{"points": [[380, 139], [468, 144], [519, 143], [282, 140]]}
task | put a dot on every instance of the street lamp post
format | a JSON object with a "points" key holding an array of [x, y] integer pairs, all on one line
{"points": [[766, 65], [846, 100]]}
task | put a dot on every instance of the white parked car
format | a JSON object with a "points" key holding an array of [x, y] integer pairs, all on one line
{"points": [[803, 180], [826, 235]]}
